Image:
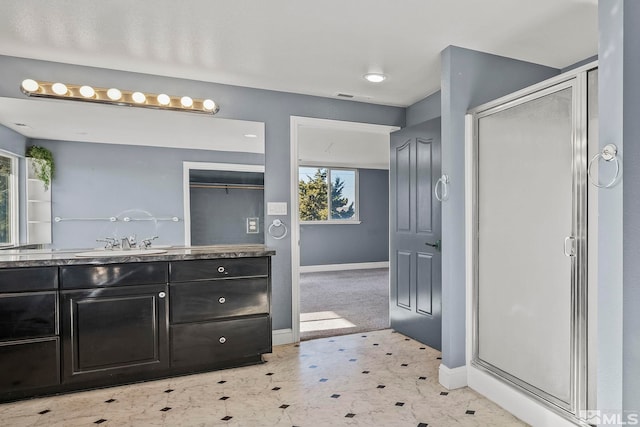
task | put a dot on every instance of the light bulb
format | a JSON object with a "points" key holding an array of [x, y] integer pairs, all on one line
{"points": [[209, 105], [375, 77], [138, 97], [59, 88], [87, 91], [114, 94], [163, 99], [30, 85], [186, 101]]}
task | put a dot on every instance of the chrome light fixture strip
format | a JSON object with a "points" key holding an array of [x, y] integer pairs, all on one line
{"points": [[115, 96]]}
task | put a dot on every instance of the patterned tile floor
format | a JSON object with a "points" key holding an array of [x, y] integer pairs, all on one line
{"points": [[378, 378]]}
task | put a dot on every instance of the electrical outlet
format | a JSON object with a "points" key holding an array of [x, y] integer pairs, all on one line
{"points": [[253, 225]]}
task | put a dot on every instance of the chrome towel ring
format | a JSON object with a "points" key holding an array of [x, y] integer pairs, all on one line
{"points": [[277, 224], [444, 182], [609, 153]]}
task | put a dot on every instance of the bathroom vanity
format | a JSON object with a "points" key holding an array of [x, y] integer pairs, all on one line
{"points": [[70, 323]]}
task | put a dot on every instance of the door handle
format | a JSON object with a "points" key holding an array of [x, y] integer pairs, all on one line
{"points": [[435, 245], [571, 251]]}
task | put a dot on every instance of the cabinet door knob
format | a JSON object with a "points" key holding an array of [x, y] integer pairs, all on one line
{"points": [[220, 269], [222, 300], [222, 340], [162, 295]]}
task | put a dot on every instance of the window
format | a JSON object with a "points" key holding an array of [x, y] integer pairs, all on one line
{"points": [[8, 200], [328, 194]]}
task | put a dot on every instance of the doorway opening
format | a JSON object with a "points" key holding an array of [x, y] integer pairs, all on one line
{"points": [[339, 208]]}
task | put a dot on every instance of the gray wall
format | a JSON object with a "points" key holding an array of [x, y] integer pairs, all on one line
{"points": [[619, 208], [103, 180], [272, 108], [469, 79], [219, 216], [631, 203], [353, 243], [425, 109], [579, 64]]}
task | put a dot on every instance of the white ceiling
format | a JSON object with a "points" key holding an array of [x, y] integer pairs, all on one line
{"points": [[326, 146], [312, 47]]}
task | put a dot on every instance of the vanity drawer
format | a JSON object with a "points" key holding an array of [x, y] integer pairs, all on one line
{"points": [[214, 299], [93, 276], [28, 279], [199, 344], [28, 315], [186, 271], [29, 364]]}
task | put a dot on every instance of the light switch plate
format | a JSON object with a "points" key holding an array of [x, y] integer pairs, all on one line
{"points": [[276, 208]]}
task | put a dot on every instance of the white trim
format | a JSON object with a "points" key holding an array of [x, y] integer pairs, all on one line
{"points": [[282, 336], [452, 378], [344, 165], [295, 123], [186, 194], [343, 267], [515, 402], [332, 222]]}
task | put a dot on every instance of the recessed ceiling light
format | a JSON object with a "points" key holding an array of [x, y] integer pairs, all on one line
{"points": [[375, 77], [250, 135]]}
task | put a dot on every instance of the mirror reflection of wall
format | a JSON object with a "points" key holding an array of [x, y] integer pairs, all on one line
{"points": [[227, 207]]}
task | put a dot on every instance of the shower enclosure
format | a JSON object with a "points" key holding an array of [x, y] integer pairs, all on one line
{"points": [[530, 239]]}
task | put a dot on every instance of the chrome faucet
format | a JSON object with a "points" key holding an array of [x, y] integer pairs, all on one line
{"points": [[128, 242]]}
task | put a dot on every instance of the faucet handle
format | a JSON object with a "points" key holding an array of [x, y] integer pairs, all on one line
{"points": [[109, 242], [145, 243]]}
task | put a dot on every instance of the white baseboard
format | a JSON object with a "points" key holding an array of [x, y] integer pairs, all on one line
{"points": [[341, 267], [520, 405], [282, 336], [452, 378]]}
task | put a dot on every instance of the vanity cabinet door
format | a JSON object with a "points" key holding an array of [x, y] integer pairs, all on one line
{"points": [[111, 332]]}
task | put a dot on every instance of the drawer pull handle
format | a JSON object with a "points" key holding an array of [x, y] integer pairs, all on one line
{"points": [[222, 300], [222, 340], [162, 295], [220, 269]]}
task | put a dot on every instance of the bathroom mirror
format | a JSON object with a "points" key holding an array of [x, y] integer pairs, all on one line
{"points": [[114, 161]]}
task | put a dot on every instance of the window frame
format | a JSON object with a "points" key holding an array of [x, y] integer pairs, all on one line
{"points": [[356, 215], [14, 200]]}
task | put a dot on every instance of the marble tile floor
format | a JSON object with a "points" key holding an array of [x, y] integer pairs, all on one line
{"points": [[378, 378]]}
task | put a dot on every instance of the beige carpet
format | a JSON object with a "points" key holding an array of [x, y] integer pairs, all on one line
{"points": [[343, 302]]}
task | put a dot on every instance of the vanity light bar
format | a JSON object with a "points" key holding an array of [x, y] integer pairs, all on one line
{"points": [[116, 96]]}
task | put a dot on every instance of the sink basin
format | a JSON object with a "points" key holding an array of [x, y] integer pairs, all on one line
{"points": [[130, 252]]}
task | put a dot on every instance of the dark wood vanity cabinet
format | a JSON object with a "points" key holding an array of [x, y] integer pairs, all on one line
{"points": [[29, 341], [220, 311], [72, 327]]}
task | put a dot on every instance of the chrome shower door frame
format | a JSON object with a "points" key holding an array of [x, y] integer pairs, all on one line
{"points": [[577, 81]]}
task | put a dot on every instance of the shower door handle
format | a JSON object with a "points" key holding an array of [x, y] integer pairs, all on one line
{"points": [[570, 246]]}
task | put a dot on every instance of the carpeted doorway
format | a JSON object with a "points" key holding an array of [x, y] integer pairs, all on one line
{"points": [[343, 302]]}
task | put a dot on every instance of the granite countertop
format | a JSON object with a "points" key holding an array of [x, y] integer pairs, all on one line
{"points": [[49, 257]]}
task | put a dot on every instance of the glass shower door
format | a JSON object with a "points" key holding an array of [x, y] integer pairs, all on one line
{"points": [[529, 240]]}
